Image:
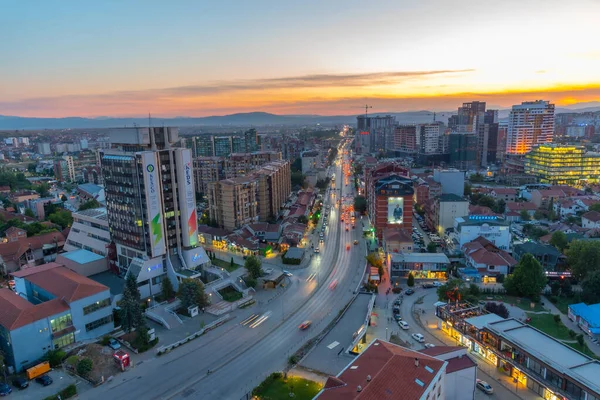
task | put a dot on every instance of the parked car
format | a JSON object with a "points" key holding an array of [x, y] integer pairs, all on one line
{"points": [[44, 380], [397, 317], [437, 284], [317, 250], [5, 390], [484, 387], [20, 383], [418, 337], [409, 292], [429, 345], [114, 344], [287, 273], [403, 325]]}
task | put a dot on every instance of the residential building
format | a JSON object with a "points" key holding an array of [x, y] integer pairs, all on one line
{"points": [[490, 227], [222, 146], [397, 241], [430, 138], [375, 133], [203, 146], [421, 265], [489, 260], [274, 188], [90, 231], [461, 372], [405, 139], [563, 164], [384, 368], [54, 307], [529, 124], [44, 149], [547, 255], [251, 140], [451, 180], [30, 251], [517, 207], [587, 317], [91, 191], [151, 206], [390, 202], [13, 234], [534, 360], [447, 208], [64, 169], [238, 144], [472, 118], [506, 194], [22, 196], [463, 150], [310, 161], [590, 220], [543, 197]]}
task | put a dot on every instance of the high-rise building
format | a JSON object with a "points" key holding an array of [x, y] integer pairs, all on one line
{"points": [[64, 169], [251, 140], [238, 144], [374, 133], [44, 148], [204, 146], [222, 146], [463, 150], [563, 164], [430, 138], [473, 118], [405, 138], [151, 206], [529, 124]]}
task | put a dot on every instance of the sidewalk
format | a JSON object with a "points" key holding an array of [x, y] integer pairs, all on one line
{"points": [[571, 325]]}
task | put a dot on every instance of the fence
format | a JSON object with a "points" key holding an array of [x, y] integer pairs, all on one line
{"points": [[212, 325]]}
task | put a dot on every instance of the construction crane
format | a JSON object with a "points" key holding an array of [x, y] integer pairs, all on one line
{"points": [[367, 110]]}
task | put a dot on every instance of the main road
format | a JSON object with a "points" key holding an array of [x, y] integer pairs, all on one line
{"points": [[238, 355]]}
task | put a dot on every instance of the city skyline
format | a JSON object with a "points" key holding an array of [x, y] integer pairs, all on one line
{"points": [[197, 59]]}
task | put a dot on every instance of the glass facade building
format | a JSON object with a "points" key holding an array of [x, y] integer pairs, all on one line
{"points": [[563, 165]]}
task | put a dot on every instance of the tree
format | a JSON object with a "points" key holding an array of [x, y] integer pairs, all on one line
{"points": [[43, 189], [555, 288], [253, 266], [583, 257], [559, 240], [131, 310], [556, 318], [143, 337], [474, 290], [411, 280], [497, 308], [500, 206], [297, 179], [360, 204], [29, 213], [595, 207], [525, 215], [468, 189], [93, 203], [476, 178], [85, 366], [590, 288], [302, 219], [167, 288], [451, 290], [431, 247], [191, 293], [62, 218], [528, 279], [232, 264], [539, 214], [580, 339]]}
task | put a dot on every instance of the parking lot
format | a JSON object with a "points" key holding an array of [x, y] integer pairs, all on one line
{"points": [[36, 391]]}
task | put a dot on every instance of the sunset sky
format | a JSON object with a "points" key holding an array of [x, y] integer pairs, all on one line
{"points": [[194, 58]]}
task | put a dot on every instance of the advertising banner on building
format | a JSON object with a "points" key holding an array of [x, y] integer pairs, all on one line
{"points": [[187, 197], [395, 210], [154, 204]]}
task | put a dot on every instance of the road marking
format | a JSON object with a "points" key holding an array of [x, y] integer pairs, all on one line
{"points": [[262, 319], [249, 319], [333, 345]]}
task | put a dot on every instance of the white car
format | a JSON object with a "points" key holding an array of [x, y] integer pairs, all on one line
{"points": [[484, 387], [418, 337], [429, 345], [403, 325], [437, 284], [287, 273]]}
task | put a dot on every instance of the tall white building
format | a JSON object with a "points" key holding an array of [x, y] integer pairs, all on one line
{"points": [[529, 124], [44, 148]]}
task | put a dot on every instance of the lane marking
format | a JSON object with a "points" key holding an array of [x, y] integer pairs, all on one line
{"points": [[333, 345]]}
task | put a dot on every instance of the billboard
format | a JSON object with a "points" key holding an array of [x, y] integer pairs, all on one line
{"points": [[187, 197], [395, 210], [154, 203]]}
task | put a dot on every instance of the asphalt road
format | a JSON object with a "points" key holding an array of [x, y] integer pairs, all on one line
{"points": [[240, 356]]}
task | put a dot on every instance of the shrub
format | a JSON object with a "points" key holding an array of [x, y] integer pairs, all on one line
{"points": [[553, 299], [572, 333], [500, 278], [66, 393], [84, 367], [556, 318], [55, 357], [105, 340], [72, 360]]}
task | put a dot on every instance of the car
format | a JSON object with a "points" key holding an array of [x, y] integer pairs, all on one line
{"points": [[114, 344], [305, 325], [484, 387], [428, 285], [418, 337], [44, 380], [321, 234], [347, 229], [321, 240], [429, 345], [397, 317], [403, 325], [409, 292], [5, 390], [317, 250], [347, 247], [437, 284], [287, 273], [356, 242], [20, 383]]}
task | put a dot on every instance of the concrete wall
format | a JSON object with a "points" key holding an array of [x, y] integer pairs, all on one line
{"points": [[499, 235], [30, 343], [80, 320], [460, 385], [88, 269]]}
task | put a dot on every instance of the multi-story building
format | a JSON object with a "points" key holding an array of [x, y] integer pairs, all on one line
{"points": [[89, 231], [238, 144], [530, 123], [430, 138], [463, 150], [405, 139], [390, 202], [563, 164], [207, 170], [222, 146], [274, 188], [375, 134], [64, 169], [472, 118], [451, 180], [420, 265], [310, 161], [492, 228], [151, 206], [251, 140], [54, 307], [44, 148], [203, 146], [446, 209]]}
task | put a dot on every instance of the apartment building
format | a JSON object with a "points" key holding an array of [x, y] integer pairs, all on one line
{"points": [[530, 123]]}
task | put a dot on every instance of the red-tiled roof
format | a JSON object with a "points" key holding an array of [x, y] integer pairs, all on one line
{"points": [[505, 191], [481, 210], [397, 235], [61, 281], [593, 216], [13, 230], [14, 250], [522, 205], [393, 371], [10, 215], [459, 363], [16, 312], [437, 350]]}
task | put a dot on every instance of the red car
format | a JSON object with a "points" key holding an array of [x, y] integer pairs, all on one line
{"points": [[347, 247], [303, 326]]}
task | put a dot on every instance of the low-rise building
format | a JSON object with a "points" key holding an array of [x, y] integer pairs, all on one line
{"points": [[30, 251], [590, 220], [397, 241], [421, 265], [547, 255], [487, 259], [446, 209], [54, 307], [506, 194], [83, 262], [587, 318], [494, 229]]}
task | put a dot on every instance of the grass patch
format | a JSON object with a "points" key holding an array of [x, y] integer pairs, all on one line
{"points": [[279, 388], [585, 349], [225, 264], [563, 303], [230, 294], [523, 303], [546, 324]]}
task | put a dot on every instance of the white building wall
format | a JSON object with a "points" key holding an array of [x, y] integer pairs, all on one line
{"points": [[460, 385], [499, 235], [449, 210]]}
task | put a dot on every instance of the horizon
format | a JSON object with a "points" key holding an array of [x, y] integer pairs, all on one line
{"points": [[293, 59]]}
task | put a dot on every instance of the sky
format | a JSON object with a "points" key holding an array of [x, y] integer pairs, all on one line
{"points": [[63, 58]]}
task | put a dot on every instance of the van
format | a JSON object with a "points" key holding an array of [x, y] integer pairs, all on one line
{"points": [[403, 325]]}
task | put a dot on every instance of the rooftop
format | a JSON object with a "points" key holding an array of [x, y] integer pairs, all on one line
{"points": [[593, 216], [536, 249], [82, 256], [482, 320], [590, 313], [420, 257], [450, 197], [98, 213], [16, 312]]}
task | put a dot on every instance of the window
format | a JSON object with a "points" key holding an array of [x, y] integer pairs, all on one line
{"points": [[143, 283], [555, 379], [98, 323], [574, 390], [63, 341], [60, 323], [158, 279], [96, 306]]}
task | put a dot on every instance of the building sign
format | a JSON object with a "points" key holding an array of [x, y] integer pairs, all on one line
{"points": [[364, 132], [187, 198], [395, 210], [154, 204]]}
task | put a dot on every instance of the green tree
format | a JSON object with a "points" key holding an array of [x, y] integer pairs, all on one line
{"points": [[231, 264], [297, 179], [431, 247], [62, 218], [476, 178], [595, 207], [580, 339], [360, 204], [590, 288], [528, 279], [539, 214], [525, 215], [559, 240], [142, 337], [167, 288], [93, 203], [411, 280], [500, 206], [43, 189], [254, 267], [583, 257], [191, 293], [302, 219], [468, 189], [29, 213], [451, 288], [85, 366], [131, 310]]}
